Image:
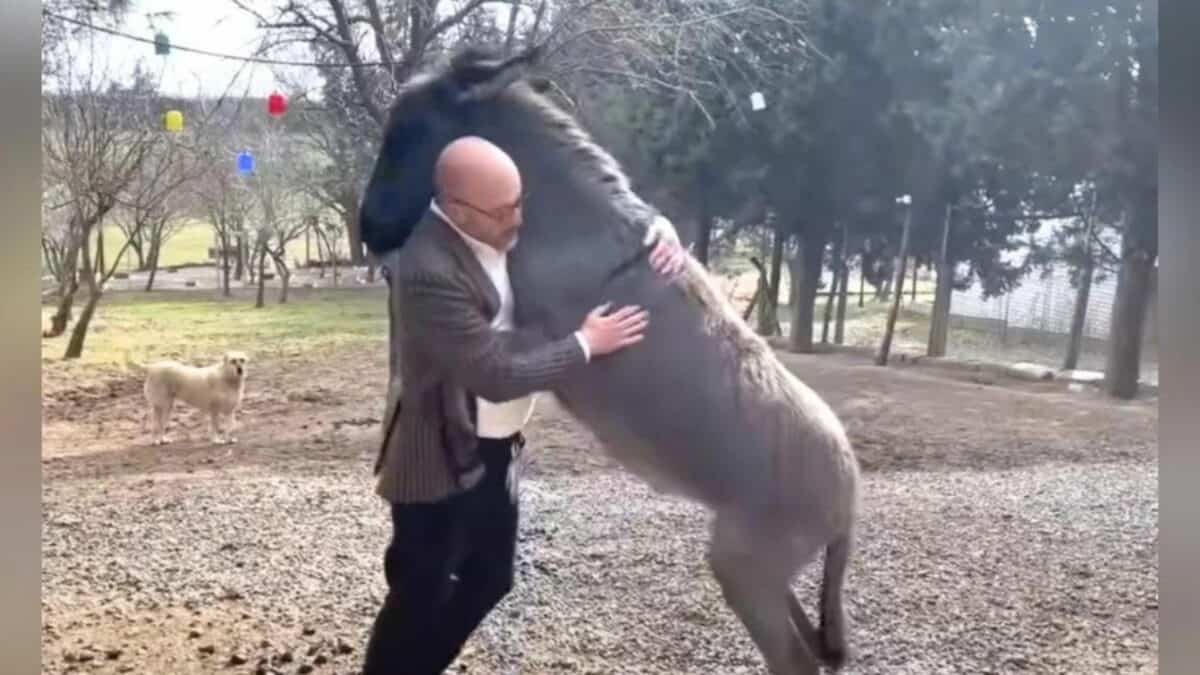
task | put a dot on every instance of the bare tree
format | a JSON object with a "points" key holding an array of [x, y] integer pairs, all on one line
{"points": [[95, 143], [281, 207], [151, 213]]}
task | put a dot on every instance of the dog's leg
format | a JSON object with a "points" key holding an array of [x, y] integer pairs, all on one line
{"points": [[162, 415], [215, 424], [231, 431]]}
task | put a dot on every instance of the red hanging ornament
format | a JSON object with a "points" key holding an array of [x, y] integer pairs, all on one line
{"points": [[277, 104]]}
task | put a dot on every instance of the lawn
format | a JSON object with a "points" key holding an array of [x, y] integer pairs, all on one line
{"points": [[196, 328], [187, 247]]}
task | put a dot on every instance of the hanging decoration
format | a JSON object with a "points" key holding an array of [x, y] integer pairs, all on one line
{"points": [[173, 120], [757, 101], [162, 44], [245, 163], [277, 104]]}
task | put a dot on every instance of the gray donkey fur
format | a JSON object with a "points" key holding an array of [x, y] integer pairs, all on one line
{"points": [[702, 408]]}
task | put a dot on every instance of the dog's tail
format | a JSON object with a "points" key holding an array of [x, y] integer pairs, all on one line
{"points": [[133, 367]]}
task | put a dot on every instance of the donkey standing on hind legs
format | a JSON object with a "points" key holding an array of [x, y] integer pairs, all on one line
{"points": [[721, 421]]}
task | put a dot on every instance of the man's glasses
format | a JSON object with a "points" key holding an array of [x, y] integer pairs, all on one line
{"points": [[502, 212]]}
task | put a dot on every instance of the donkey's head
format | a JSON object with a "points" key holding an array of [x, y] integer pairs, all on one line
{"points": [[432, 110]]}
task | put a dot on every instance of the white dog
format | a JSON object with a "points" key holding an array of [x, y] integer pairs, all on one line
{"points": [[216, 390]]}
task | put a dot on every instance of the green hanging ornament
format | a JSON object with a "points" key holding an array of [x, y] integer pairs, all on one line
{"points": [[162, 44]]}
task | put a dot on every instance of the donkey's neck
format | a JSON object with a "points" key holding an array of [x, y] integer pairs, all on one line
{"points": [[570, 179]]}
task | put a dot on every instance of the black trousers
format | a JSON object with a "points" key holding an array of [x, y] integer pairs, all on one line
{"points": [[449, 563]]}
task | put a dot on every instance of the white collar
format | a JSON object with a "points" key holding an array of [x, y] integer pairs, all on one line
{"points": [[481, 249]]}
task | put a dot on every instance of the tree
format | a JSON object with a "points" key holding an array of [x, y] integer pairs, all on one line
{"points": [[885, 347], [340, 137], [95, 142], [223, 198], [1094, 78]]}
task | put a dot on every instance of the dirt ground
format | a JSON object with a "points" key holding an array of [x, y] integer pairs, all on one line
{"points": [[314, 417]]}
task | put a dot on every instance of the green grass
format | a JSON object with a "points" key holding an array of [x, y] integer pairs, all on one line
{"points": [[195, 327], [189, 246]]}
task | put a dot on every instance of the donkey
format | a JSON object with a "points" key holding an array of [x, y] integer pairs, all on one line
{"points": [[702, 408]]}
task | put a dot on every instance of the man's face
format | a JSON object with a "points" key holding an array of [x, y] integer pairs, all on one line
{"points": [[491, 217]]}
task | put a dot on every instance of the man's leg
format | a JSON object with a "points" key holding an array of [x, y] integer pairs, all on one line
{"points": [[486, 573], [417, 566]]}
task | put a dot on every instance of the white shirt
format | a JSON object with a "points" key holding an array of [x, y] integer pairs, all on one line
{"points": [[499, 420]]}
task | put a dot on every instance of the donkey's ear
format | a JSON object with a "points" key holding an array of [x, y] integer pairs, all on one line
{"points": [[478, 78]]}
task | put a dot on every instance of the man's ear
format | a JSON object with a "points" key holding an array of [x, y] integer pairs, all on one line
{"points": [[478, 75]]}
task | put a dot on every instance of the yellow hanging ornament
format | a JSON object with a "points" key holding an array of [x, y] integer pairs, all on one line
{"points": [[173, 120]]}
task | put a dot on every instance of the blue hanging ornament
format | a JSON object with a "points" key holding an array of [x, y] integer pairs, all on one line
{"points": [[162, 44], [245, 163]]}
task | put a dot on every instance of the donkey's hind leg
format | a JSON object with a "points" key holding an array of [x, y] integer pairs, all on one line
{"points": [[754, 570]]}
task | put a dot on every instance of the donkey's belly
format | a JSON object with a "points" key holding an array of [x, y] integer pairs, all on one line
{"points": [[667, 411]]}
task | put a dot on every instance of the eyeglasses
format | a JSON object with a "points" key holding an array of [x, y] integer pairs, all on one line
{"points": [[502, 212]]}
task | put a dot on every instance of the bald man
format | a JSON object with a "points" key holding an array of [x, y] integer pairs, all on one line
{"points": [[468, 375]]}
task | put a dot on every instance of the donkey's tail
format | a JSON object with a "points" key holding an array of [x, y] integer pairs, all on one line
{"points": [[832, 632]]}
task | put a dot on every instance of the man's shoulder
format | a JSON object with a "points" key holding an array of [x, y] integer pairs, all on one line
{"points": [[425, 253]]}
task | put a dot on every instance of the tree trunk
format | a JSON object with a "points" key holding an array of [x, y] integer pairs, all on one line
{"points": [[834, 288], [68, 287], [353, 229], [153, 262], [829, 301], [241, 257], [767, 324], [137, 243], [839, 331], [285, 276], [1082, 295], [1123, 365], [1079, 317], [321, 259], [79, 332], [939, 319], [259, 299], [916, 268], [862, 279], [768, 308], [885, 346], [812, 249], [99, 249], [223, 239]]}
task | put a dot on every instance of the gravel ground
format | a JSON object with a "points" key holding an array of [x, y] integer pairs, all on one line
{"points": [[1044, 569], [1007, 527]]}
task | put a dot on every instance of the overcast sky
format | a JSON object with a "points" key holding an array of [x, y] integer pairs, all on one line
{"points": [[213, 25]]}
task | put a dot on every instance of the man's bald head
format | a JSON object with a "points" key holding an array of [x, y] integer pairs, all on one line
{"points": [[479, 187]]}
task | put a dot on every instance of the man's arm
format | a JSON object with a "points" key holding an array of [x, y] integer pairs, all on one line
{"points": [[457, 336]]}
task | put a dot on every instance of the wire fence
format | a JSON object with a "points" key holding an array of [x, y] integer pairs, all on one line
{"points": [[1031, 324]]}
